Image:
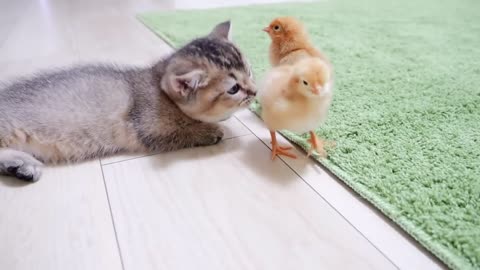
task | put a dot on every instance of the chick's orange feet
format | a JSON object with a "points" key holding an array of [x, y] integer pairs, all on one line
{"points": [[279, 150], [318, 145]]}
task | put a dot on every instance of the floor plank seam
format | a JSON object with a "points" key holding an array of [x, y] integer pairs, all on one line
{"points": [[329, 204], [112, 218]]}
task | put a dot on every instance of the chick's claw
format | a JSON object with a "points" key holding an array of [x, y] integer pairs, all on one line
{"points": [[281, 151], [330, 144], [284, 148], [317, 145]]}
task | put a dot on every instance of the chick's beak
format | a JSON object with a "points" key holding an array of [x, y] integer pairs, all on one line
{"points": [[266, 29], [317, 89]]}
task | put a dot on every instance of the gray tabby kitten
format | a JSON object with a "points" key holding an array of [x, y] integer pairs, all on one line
{"points": [[94, 111]]}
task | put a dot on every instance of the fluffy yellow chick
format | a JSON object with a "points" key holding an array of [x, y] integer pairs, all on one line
{"points": [[290, 42], [296, 98]]}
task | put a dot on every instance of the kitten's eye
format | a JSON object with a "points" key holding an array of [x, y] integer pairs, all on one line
{"points": [[305, 82], [276, 28], [234, 89]]}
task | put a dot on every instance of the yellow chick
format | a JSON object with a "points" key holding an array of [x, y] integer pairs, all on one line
{"points": [[290, 42], [296, 98]]}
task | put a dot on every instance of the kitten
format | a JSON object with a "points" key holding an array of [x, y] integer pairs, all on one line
{"points": [[93, 111]]}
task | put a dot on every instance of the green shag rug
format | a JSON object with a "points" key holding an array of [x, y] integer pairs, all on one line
{"points": [[406, 111]]}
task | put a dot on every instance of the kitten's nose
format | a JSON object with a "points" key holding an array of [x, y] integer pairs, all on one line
{"points": [[251, 92]]}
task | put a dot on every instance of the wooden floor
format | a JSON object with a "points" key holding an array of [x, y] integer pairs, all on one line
{"points": [[221, 207]]}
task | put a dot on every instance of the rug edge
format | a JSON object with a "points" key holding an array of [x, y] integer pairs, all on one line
{"points": [[141, 18]]}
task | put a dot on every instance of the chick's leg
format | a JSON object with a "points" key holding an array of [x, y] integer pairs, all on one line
{"points": [[316, 145], [278, 150]]}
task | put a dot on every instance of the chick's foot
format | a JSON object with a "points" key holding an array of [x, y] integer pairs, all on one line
{"points": [[318, 145], [284, 148], [279, 150]]}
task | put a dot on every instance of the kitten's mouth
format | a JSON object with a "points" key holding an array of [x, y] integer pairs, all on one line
{"points": [[247, 101]]}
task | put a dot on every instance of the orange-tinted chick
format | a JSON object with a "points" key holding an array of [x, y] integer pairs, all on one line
{"points": [[296, 98], [290, 42]]}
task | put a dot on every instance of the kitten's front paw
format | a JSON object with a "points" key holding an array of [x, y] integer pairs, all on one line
{"points": [[209, 134], [23, 170]]}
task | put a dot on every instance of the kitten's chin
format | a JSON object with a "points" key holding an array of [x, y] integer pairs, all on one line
{"points": [[225, 119], [211, 118], [216, 118]]}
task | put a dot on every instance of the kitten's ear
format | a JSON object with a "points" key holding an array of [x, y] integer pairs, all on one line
{"points": [[189, 82], [222, 31]]}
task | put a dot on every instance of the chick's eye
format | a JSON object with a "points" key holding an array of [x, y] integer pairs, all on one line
{"points": [[234, 89], [305, 82], [276, 28]]}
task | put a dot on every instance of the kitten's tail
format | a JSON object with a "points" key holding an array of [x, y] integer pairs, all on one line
{"points": [[20, 165]]}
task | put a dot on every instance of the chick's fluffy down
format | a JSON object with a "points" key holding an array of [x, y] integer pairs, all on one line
{"points": [[282, 111]]}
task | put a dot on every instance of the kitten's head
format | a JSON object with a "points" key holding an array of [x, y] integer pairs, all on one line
{"points": [[209, 78]]}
